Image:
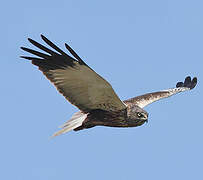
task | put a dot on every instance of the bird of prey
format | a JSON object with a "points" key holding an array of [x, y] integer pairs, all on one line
{"points": [[98, 103]]}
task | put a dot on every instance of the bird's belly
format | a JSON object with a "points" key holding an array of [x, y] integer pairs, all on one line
{"points": [[100, 118]]}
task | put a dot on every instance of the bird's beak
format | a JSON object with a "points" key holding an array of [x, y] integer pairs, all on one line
{"points": [[146, 117]]}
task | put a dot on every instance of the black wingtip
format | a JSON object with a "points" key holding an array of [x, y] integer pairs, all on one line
{"points": [[43, 37], [75, 55], [24, 48], [188, 83], [179, 84], [30, 40], [26, 57], [194, 82]]}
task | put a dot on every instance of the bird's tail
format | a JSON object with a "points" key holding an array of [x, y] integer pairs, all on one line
{"points": [[76, 120]]}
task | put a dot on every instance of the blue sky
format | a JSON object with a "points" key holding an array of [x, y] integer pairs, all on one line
{"points": [[139, 46]]}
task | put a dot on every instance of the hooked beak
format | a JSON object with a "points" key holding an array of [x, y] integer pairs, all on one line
{"points": [[146, 118]]}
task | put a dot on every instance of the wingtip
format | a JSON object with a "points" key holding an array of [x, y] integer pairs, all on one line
{"points": [[188, 82], [194, 79], [179, 84], [67, 46], [194, 82], [23, 48], [30, 40], [21, 57], [43, 37], [26, 57]]}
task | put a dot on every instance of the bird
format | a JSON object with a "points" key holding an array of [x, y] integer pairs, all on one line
{"points": [[95, 98]]}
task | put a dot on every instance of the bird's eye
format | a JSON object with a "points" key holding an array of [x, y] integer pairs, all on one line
{"points": [[139, 114]]}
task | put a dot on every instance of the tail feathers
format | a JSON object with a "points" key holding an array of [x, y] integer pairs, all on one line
{"points": [[75, 121]]}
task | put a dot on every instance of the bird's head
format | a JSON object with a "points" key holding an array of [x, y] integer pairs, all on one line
{"points": [[137, 116]]}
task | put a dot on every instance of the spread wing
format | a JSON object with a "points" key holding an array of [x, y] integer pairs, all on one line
{"points": [[80, 85], [149, 98]]}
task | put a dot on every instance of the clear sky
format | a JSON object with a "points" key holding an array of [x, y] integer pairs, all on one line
{"points": [[139, 46]]}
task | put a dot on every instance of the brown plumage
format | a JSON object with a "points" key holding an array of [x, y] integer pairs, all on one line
{"points": [[98, 103]]}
